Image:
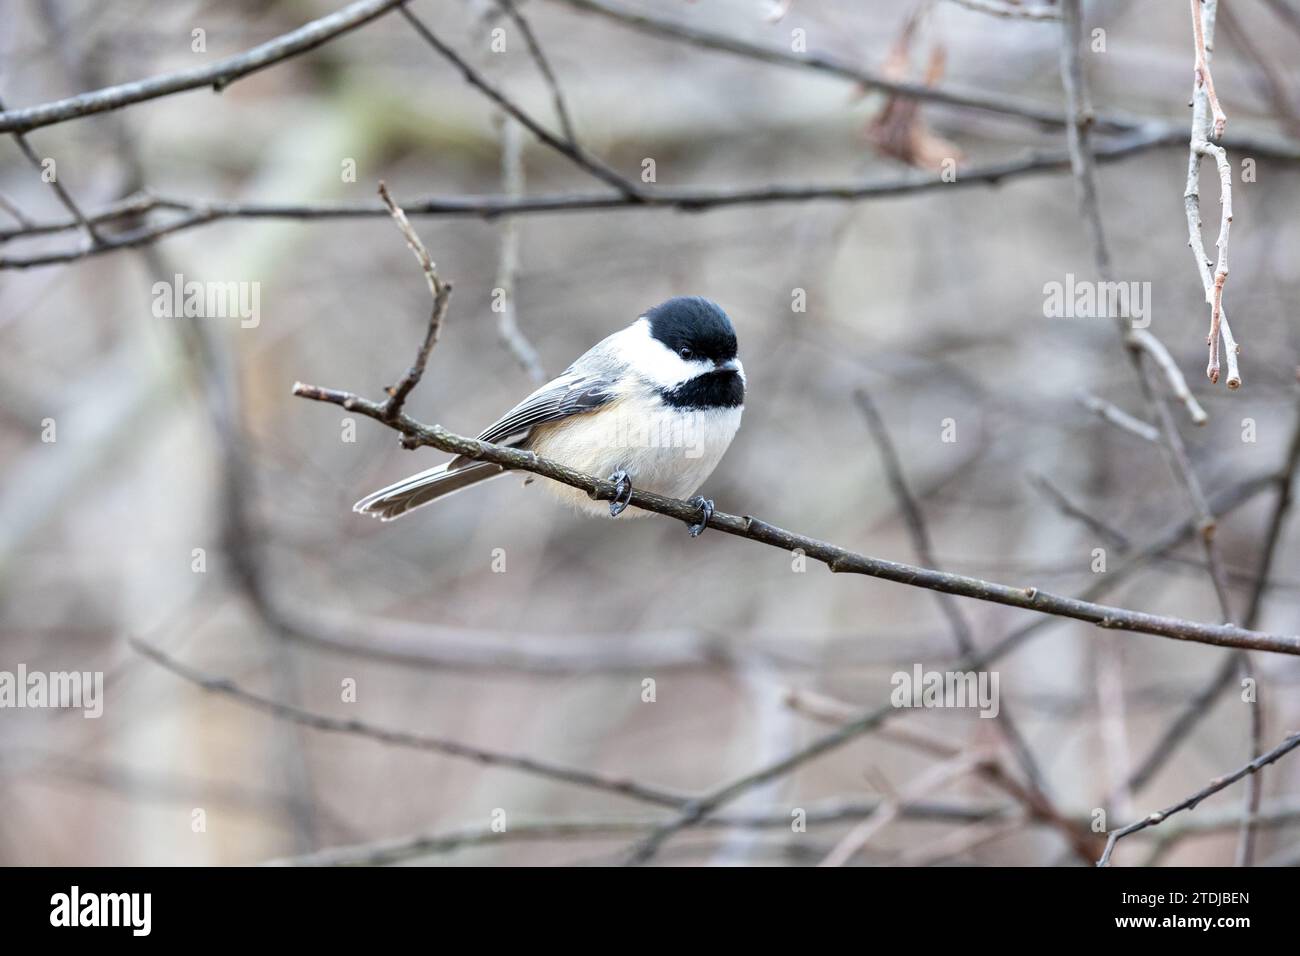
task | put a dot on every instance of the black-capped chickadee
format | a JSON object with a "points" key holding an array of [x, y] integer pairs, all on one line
{"points": [[654, 406]]}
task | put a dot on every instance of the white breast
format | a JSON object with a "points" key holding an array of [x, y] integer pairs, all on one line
{"points": [[665, 450]]}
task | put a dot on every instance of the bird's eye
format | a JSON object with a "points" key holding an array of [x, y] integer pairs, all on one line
{"points": [[685, 353]]}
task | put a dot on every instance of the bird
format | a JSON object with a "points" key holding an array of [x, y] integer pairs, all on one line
{"points": [[654, 405]]}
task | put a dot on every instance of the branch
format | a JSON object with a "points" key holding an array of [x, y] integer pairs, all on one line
{"points": [[1219, 783], [1036, 806], [512, 183], [217, 75], [1138, 340], [1203, 38], [384, 852], [702, 807], [1109, 412], [1141, 340], [539, 56], [198, 213], [939, 775], [1205, 103], [1083, 164], [569, 148], [15, 213], [64, 196], [837, 559], [949, 605], [1213, 282], [998, 103], [441, 292], [400, 738]]}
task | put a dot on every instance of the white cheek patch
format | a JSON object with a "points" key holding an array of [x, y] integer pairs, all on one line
{"points": [[654, 360]]}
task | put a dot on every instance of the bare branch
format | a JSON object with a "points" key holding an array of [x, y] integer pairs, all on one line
{"points": [[217, 75], [949, 605], [1189, 803], [569, 148], [198, 213], [384, 852], [1204, 39], [17, 214], [1035, 804], [702, 807], [1106, 411], [441, 292], [512, 182], [1223, 677], [1068, 508], [1083, 164], [64, 196], [998, 103], [1141, 340], [535, 50], [837, 559], [1213, 283], [937, 776], [400, 738]]}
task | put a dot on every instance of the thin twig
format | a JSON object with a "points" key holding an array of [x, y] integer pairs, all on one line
{"points": [[1083, 163], [1255, 786], [1189, 803], [570, 148], [511, 9], [1205, 105], [836, 558], [853, 842], [217, 75], [1141, 340], [56, 184], [1203, 36], [1068, 508], [400, 738], [1213, 282], [1272, 538], [20, 217], [868, 721], [201, 212], [388, 851], [441, 292], [998, 103], [1035, 804], [1270, 78], [508, 330], [948, 605], [1085, 173], [1117, 416]]}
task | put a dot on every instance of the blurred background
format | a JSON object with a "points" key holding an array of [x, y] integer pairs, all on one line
{"points": [[190, 502]]}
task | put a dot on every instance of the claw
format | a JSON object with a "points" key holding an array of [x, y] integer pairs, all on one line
{"points": [[622, 493], [706, 512]]}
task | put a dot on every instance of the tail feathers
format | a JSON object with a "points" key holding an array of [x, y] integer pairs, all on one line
{"points": [[428, 486]]}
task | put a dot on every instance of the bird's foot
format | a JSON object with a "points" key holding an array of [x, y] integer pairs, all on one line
{"points": [[706, 512], [622, 493]]}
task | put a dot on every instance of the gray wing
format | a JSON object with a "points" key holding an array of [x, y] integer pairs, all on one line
{"points": [[584, 386], [570, 394]]}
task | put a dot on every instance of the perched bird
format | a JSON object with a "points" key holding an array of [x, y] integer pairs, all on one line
{"points": [[655, 405]]}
